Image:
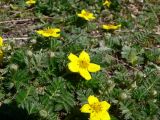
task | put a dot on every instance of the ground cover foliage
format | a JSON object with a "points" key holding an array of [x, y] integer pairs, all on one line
{"points": [[35, 82]]}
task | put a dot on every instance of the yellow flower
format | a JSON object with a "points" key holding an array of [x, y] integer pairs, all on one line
{"points": [[1, 42], [82, 65], [86, 15], [30, 2], [111, 27], [49, 32], [1, 52], [107, 2], [97, 110]]}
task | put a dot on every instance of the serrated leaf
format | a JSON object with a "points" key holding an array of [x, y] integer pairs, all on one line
{"points": [[22, 95]]}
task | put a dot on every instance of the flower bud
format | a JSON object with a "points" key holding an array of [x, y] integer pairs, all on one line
{"points": [[144, 75], [139, 74], [154, 92], [134, 85], [14, 67], [51, 54], [110, 88], [43, 113], [123, 96], [33, 41], [29, 53], [40, 90], [109, 82], [10, 85], [154, 100], [8, 47]]}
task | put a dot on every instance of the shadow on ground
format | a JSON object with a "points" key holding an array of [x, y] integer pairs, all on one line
{"points": [[12, 112]]}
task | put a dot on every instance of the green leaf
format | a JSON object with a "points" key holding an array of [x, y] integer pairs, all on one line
{"points": [[23, 95], [130, 54]]}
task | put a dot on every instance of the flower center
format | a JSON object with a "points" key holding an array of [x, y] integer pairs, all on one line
{"points": [[83, 63], [50, 31], [86, 14], [96, 107]]}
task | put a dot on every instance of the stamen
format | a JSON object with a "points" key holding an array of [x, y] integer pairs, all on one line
{"points": [[96, 107], [83, 63]]}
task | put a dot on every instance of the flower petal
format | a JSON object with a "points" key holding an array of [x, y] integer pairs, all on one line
{"points": [[104, 116], [79, 15], [100, 116], [49, 32], [40, 31], [108, 3], [91, 17], [94, 116], [92, 99], [93, 67], [111, 27], [55, 35], [72, 57], [86, 15], [84, 11], [84, 73], [56, 29], [84, 56], [45, 34], [86, 108], [29, 2], [1, 42], [105, 105], [86, 18], [73, 67]]}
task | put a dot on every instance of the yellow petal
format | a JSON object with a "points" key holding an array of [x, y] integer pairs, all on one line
{"points": [[29, 2], [108, 3], [91, 17], [49, 32], [82, 14], [93, 67], [105, 105], [84, 73], [73, 67], [92, 99], [56, 29], [86, 15], [104, 116], [111, 27], [39, 31], [86, 18], [84, 56], [45, 34], [86, 108], [100, 116], [1, 42], [72, 57], [55, 35], [94, 116], [84, 11], [79, 15]]}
